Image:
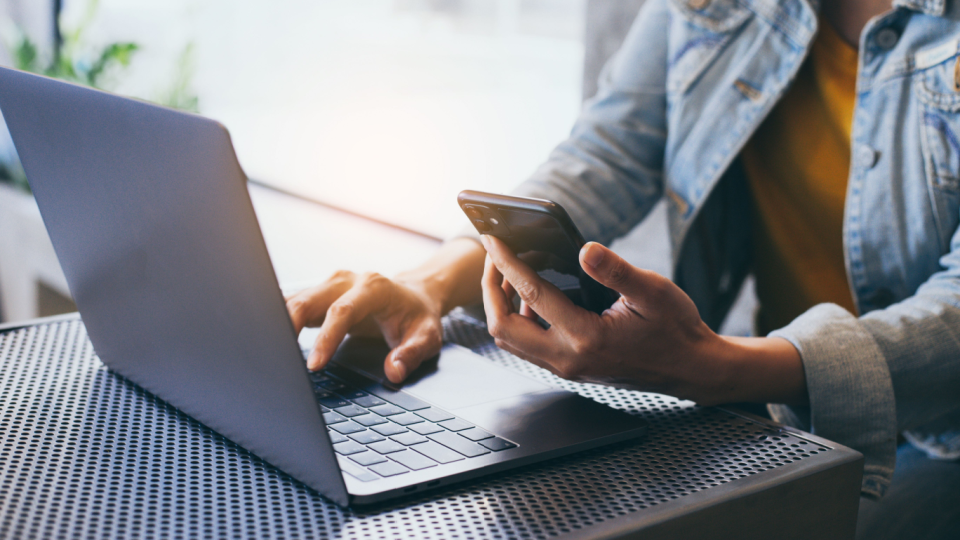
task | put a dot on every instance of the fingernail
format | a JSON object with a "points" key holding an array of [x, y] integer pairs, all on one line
{"points": [[401, 369], [484, 240], [593, 254]]}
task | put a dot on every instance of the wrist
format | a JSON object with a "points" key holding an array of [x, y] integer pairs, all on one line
{"points": [[712, 374], [760, 370], [449, 277]]}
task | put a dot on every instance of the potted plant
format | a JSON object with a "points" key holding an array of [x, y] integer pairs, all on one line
{"points": [[28, 264]]}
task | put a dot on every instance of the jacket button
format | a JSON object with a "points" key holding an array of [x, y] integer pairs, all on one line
{"points": [[887, 38], [866, 157]]}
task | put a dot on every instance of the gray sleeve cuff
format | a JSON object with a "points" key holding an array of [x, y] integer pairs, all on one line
{"points": [[850, 390]]}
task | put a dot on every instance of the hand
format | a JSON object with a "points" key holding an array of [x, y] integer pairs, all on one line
{"points": [[370, 305], [651, 339], [405, 310]]}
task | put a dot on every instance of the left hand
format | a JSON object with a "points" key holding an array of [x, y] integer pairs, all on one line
{"points": [[651, 339]]}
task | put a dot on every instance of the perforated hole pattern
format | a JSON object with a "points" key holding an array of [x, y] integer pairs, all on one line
{"points": [[85, 453]]}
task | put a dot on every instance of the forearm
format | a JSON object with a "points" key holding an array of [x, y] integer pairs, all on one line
{"points": [[767, 370], [451, 277], [757, 370]]}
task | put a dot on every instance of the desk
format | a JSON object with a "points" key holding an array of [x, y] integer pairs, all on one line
{"points": [[88, 454], [307, 243]]}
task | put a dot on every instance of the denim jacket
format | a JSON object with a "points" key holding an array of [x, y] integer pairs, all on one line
{"points": [[689, 87]]}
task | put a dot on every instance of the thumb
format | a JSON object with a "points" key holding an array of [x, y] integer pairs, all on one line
{"points": [[609, 269], [420, 343]]}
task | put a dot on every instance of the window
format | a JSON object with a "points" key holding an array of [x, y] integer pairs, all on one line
{"points": [[384, 107]]}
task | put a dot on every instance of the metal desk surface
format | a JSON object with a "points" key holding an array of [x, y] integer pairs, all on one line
{"points": [[86, 453]]}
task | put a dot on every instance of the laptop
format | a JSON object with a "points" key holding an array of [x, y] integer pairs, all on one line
{"points": [[150, 217]]}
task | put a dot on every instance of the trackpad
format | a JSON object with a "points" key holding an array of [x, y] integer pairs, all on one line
{"points": [[457, 378]]}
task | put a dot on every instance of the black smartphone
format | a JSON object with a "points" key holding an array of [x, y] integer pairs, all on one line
{"points": [[542, 235]]}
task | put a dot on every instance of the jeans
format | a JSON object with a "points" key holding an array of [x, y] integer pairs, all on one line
{"points": [[922, 502]]}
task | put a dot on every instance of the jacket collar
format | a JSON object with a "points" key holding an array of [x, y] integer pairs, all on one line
{"points": [[930, 7]]}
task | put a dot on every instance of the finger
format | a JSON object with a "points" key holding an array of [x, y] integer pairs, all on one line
{"points": [[525, 311], [420, 342], [510, 292], [309, 306], [368, 295], [640, 288], [522, 334], [495, 299], [543, 297]]}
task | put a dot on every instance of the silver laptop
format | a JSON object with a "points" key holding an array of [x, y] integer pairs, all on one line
{"points": [[150, 216]]}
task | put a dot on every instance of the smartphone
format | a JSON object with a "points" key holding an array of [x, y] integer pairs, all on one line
{"points": [[542, 235]]}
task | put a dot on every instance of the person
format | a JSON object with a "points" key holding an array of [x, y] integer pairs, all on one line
{"points": [[814, 147]]}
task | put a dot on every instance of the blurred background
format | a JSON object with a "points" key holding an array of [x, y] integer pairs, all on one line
{"points": [[384, 107], [380, 111]]}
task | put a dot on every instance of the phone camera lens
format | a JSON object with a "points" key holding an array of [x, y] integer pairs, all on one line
{"points": [[474, 213], [482, 226], [494, 221]]}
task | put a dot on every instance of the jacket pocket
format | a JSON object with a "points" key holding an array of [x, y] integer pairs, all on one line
{"points": [[939, 94], [701, 29]]}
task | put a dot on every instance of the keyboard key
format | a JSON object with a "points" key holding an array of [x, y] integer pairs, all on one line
{"points": [[435, 415], [353, 394], [317, 376], [357, 472], [413, 460], [347, 448], [497, 444], [458, 443], [385, 447], [333, 418], [329, 384], [387, 410], [331, 401], [475, 434], [388, 468], [389, 429], [399, 399], [366, 437], [409, 438], [437, 452], [368, 458], [406, 419], [425, 428], [348, 427], [368, 401], [336, 437], [351, 410], [369, 420], [456, 425]]}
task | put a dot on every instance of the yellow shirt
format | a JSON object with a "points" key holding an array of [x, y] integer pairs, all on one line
{"points": [[797, 165]]}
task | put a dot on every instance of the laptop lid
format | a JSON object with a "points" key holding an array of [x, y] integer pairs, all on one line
{"points": [[150, 217]]}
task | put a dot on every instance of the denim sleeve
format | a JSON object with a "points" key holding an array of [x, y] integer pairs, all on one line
{"points": [[609, 173], [891, 370]]}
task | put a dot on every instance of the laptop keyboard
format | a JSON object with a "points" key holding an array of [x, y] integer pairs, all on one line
{"points": [[378, 432]]}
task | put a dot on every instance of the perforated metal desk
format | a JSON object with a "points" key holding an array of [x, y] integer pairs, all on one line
{"points": [[88, 454]]}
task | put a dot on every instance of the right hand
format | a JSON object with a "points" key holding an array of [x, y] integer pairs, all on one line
{"points": [[402, 311]]}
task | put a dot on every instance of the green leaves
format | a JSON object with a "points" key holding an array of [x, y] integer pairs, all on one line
{"points": [[79, 62], [114, 54], [25, 55], [72, 65]]}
